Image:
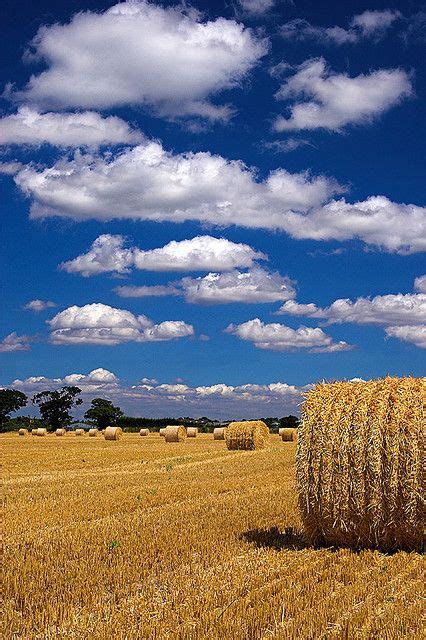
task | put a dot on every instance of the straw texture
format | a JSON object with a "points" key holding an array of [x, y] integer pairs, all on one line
{"points": [[93, 433], [219, 433], [175, 433], [41, 431], [23, 432], [287, 435], [360, 460], [113, 433], [191, 432], [144, 432], [60, 432], [249, 435]]}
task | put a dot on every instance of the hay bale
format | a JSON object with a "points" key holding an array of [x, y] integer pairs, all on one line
{"points": [[23, 432], [60, 432], [287, 435], [33, 432], [41, 431], [93, 433], [144, 432], [175, 433], [80, 432], [359, 464], [248, 435], [162, 432], [113, 433], [191, 432], [219, 433]]}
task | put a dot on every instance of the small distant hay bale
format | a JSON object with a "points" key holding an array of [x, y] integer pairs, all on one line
{"points": [[360, 457], [113, 433], [191, 432], [23, 432], [60, 432], [144, 432], [219, 433], [93, 433], [80, 432], [287, 435], [41, 431], [247, 436], [175, 433], [162, 432], [33, 432]]}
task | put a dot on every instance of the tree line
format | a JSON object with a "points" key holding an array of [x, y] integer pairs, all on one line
{"points": [[55, 411]]}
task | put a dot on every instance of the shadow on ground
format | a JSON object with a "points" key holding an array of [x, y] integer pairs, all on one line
{"points": [[275, 539]]}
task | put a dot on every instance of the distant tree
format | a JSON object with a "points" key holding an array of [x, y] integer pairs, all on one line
{"points": [[10, 400], [55, 406], [103, 413], [289, 422]]}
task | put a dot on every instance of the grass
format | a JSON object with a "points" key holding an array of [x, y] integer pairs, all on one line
{"points": [[212, 551]]}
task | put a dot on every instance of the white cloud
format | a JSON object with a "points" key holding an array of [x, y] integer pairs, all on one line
{"points": [[201, 253], [147, 291], [10, 168], [137, 53], [39, 305], [285, 146], [409, 333], [278, 337], [370, 24], [149, 183], [389, 309], [13, 342], [257, 7], [420, 284], [104, 325], [89, 129], [98, 381], [338, 99], [254, 286]]}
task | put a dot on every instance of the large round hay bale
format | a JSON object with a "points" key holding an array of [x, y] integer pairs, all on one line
{"points": [[93, 433], [113, 433], [162, 432], [360, 456], [80, 432], [287, 435], [23, 432], [175, 433], [41, 431], [248, 435], [219, 433], [144, 432], [60, 432], [33, 432], [191, 432]]}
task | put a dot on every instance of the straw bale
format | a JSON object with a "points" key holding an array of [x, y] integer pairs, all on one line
{"points": [[41, 431], [80, 432], [191, 432], [60, 432], [219, 433], [23, 432], [248, 435], [175, 433], [93, 433], [287, 435], [144, 432], [162, 431], [360, 459], [113, 433]]}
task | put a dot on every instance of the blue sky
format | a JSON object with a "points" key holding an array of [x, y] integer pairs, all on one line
{"points": [[279, 146]]}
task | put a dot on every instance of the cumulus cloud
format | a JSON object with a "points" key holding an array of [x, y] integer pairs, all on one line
{"points": [[138, 53], [219, 400], [87, 129], [254, 286], [39, 305], [104, 325], [369, 24], [420, 284], [13, 342], [149, 183], [10, 168], [278, 337], [409, 333], [335, 100], [202, 253]]}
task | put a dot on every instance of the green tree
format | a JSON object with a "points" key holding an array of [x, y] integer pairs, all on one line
{"points": [[289, 422], [55, 406], [10, 400], [103, 413]]}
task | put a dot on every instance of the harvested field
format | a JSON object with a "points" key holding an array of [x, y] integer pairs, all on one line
{"points": [[140, 538]]}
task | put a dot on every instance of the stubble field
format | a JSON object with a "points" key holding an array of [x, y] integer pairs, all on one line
{"points": [[144, 539]]}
